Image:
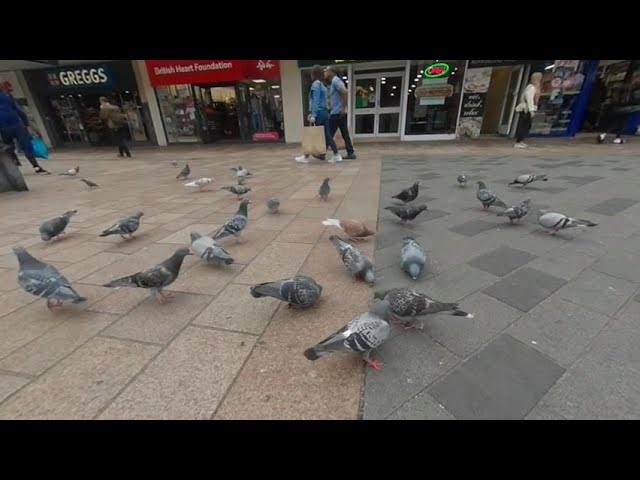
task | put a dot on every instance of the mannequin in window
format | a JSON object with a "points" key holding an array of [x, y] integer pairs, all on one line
{"points": [[527, 108], [255, 104]]}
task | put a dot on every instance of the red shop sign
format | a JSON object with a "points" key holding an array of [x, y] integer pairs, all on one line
{"points": [[176, 72]]}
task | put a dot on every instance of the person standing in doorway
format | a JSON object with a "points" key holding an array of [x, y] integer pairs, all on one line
{"points": [[319, 113], [338, 117], [116, 122], [14, 126], [527, 108]]}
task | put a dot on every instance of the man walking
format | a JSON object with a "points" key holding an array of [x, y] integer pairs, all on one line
{"points": [[338, 118], [116, 122]]}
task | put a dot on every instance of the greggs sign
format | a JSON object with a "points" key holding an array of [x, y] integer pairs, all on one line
{"points": [[176, 72]]}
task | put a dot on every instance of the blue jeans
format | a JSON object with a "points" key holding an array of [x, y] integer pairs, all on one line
{"points": [[322, 119], [20, 134]]}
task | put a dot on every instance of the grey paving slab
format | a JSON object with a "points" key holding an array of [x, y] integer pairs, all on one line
{"points": [[390, 235], [456, 283], [429, 176], [525, 288], [598, 292], [411, 362], [605, 384], [473, 227], [505, 380], [10, 384], [430, 214], [580, 181], [544, 412], [560, 329], [421, 407], [620, 264], [621, 169], [564, 262], [612, 206], [501, 261]]}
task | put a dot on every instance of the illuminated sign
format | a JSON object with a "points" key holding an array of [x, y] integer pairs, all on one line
{"points": [[436, 70]]}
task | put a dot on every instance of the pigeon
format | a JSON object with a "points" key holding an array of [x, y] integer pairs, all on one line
{"points": [[200, 183], [524, 180], [125, 226], [361, 335], [273, 204], [235, 225], [184, 173], [555, 222], [412, 257], [487, 197], [71, 173], [44, 280], [407, 304], [239, 190], [462, 180], [156, 278], [356, 261], [207, 249], [174, 163], [241, 174], [406, 212], [516, 212], [325, 189], [300, 291], [356, 229], [55, 227], [408, 194], [89, 183]]}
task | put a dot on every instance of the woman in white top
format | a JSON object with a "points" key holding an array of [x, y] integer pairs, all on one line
{"points": [[527, 108]]}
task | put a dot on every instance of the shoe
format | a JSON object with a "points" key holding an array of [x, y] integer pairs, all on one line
{"points": [[351, 156], [520, 145], [335, 159], [601, 137], [41, 171], [618, 141], [302, 159]]}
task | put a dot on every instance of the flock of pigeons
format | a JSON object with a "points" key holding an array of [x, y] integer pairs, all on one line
{"points": [[403, 306]]}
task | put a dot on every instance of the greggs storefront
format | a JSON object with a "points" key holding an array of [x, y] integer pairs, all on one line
{"points": [[207, 101]]}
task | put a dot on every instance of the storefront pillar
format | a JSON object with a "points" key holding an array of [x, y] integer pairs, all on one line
{"points": [[291, 101], [148, 100]]}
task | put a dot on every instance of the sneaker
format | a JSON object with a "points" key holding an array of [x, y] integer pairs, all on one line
{"points": [[520, 145], [335, 158], [618, 141], [302, 159], [351, 156], [41, 171]]}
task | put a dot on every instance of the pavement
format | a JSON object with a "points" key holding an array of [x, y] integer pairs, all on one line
{"points": [[555, 334]]}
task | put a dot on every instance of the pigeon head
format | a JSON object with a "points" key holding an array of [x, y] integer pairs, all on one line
{"points": [[543, 177], [24, 257], [182, 252], [416, 184], [380, 294], [422, 207], [139, 214], [481, 184], [527, 201], [336, 240], [243, 208], [542, 212], [406, 240], [70, 213], [326, 180]]}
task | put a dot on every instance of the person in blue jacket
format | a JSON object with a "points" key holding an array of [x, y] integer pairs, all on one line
{"points": [[318, 112], [14, 127]]}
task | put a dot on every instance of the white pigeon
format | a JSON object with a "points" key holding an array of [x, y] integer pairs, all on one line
{"points": [[199, 183], [71, 172], [555, 222]]}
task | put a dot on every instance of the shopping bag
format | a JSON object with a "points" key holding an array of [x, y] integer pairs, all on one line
{"points": [[40, 150], [313, 141], [340, 141]]}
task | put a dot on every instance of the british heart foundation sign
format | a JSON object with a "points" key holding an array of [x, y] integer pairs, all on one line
{"points": [[177, 72]]}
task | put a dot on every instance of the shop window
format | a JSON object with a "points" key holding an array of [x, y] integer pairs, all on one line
{"points": [[306, 81], [264, 104], [433, 99], [178, 113]]}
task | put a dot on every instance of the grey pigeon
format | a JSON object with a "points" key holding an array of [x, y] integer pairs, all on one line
{"points": [[487, 197], [174, 163], [325, 189], [361, 335], [72, 172], [408, 194], [44, 280], [184, 173], [273, 204], [406, 212], [241, 172], [156, 278], [55, 227], [412, 257], [516, 212], [406, 305], [235, 225], [207, 249], [89, 183], [462, 180], [125, 226], [300, 291], [555, 222], [356, 261], [526, 179], [239, 190]]}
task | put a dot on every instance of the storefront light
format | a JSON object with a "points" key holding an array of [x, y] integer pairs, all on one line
{"points": [[344, 77], [383, 79], [259, 81], [393, 94], [275, 86], [394, 87]]}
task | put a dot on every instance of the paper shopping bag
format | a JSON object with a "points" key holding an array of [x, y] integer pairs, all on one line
{"points": [[340, 141], [313, 141]]}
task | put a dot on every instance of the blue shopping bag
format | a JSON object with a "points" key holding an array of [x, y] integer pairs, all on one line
{"points": [[40, 150]]}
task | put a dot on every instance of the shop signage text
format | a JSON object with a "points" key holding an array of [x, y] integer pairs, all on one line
{"points": [[177, 72], [436, 70], [77, 77]]}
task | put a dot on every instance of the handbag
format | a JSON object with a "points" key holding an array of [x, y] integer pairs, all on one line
{"points": [[314, 141], [40, 149]]}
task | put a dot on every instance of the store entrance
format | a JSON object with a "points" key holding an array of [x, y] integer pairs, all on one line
{"points": [[217, 107], [377, 103], [502, 98]]}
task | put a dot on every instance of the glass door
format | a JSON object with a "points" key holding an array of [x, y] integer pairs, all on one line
{"points": [[376, 104], [510, 101]]}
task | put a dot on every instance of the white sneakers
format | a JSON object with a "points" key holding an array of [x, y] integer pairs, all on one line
{"points": [[520, 145], [335, 158], [302, 159]]}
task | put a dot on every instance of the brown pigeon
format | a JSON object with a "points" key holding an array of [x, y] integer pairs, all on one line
{"points": [[354, 228]]}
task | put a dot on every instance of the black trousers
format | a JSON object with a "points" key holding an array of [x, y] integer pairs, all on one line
{"points": [[524, 125], [118, 137], [339, 121]]}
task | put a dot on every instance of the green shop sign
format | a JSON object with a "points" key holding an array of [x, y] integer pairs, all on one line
{"points": [[311, 63], [436, 70]]}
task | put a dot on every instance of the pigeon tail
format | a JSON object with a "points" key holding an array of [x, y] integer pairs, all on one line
{"points": [[314, 353], [265, 290], [332, 222], [500, 203], [80, 300], [586, 223], [460, 313], [122, 282]]}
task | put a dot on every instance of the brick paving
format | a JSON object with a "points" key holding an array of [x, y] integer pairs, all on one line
{"points": [[555, 332]]}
